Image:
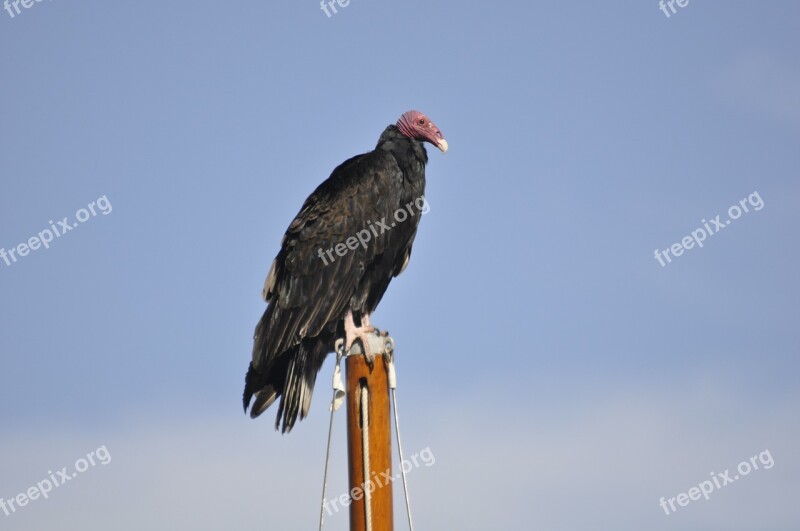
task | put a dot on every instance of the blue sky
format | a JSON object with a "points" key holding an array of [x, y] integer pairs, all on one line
{"points": [[561, 376]]}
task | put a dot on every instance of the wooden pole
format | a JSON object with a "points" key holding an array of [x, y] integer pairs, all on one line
{"points": [[358, 377]]}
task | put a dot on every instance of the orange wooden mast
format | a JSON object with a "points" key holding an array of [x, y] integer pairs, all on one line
{"points": [[369, 437]]}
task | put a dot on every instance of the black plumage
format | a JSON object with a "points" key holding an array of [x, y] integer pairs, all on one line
{"points": [[312, 285]]}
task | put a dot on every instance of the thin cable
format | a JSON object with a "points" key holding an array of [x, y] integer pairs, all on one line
{"points": [[400, 451], [334, 407], [365, 450]]}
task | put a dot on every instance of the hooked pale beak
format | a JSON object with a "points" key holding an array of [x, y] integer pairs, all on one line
{"points": [[438, 139]]}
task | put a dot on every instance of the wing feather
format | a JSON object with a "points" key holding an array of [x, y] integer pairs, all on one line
{"points": [[305, 294]]}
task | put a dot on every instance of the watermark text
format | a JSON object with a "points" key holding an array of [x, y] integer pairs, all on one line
{"points": [[717, 481], [373, 229], [699, 235], [56, 230], [43, 488], [378, 481]]}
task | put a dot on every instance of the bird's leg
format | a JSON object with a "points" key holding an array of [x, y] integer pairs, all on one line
{"points": [[365, 323], [353, 332]]}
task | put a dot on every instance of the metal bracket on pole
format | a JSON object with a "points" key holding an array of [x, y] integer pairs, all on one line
{"points": [[380, 344]]}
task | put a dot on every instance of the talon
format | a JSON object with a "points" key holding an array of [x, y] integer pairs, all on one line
{"points": [[361, 333]]}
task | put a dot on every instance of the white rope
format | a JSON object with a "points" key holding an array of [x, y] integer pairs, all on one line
{"points": [[336, 402], [392, 377], [365, 450]]}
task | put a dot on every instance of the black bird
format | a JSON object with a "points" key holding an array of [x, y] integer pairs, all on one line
{"points": [[351, 237]]}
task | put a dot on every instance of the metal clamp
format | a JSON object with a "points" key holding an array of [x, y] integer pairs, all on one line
{"points": [[380, 343]]}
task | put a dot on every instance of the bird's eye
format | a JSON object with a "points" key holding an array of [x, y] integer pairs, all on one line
{"points": [[422, 121]]}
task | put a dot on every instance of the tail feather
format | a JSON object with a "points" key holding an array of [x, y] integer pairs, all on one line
{"points": [[265, 389], [264, 399], [291, 377]]}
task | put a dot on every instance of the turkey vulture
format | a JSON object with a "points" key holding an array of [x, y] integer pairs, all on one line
{"points": [[351, 237]]}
